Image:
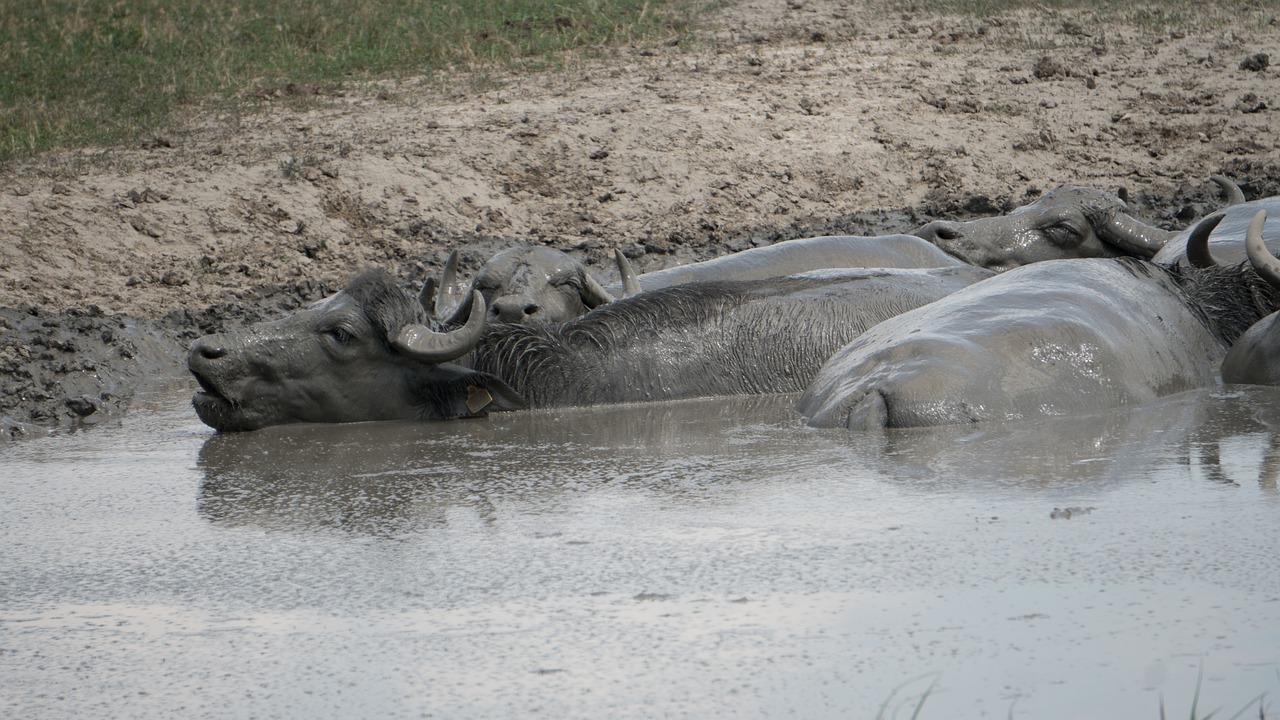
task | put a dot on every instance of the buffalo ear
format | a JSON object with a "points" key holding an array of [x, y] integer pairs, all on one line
{"points": [[486, 392], [452, 391]]}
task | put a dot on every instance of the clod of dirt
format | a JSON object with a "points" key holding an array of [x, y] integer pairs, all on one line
{"points": [[1256, 62], [1250, 103], [1047, 68]]}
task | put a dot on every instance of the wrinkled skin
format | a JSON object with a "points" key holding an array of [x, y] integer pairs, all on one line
{"points": [[1052, 338], [533, 284], [329, 362], [802, 255], [1064, 223], [334, 361], [708, 339]]}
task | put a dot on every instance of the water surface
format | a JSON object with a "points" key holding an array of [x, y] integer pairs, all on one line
{"points": [[696, 559]]}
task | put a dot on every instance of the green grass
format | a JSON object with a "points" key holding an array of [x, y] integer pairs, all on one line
{"points": [[76, 73]]}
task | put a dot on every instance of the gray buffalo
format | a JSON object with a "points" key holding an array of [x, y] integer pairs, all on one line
{"points": [[366, 353], [1066, 222], [540, 284], [1227, 243], [1255, 358], [1046, 339], [797, 256], [519, 285]]}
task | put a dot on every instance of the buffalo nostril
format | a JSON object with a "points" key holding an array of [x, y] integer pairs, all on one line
{"points": [[207, 350], [948, 232], [531, 309]]}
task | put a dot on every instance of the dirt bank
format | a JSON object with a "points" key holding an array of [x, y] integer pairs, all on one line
{"points": [[782, 120]]}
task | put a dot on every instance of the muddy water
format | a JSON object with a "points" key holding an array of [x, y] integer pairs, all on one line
{"points": [[699, 559]]}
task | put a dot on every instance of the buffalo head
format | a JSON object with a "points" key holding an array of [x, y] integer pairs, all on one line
{"points": [[1066, 222], [361, 354], [521, 285]]}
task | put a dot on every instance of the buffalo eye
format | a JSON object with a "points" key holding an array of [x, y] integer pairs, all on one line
{"points": [[1063, 234], [340, 335], [572, 281]]}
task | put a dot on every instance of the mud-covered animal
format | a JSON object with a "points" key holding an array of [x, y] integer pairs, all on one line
{"points": [[541, 284], [709, 338], [1066, 222], [1254, 359], [1227, 243], [797, 256], [1046, 339], [518, 285], [366, 353], [336, 361]]}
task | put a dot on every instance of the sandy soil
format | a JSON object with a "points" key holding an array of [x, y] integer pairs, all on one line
{"points": [[783, 120]]}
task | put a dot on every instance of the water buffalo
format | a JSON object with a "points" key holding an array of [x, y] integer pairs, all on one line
{"points": [[335, 361], [1254, 359], [366, 353], [796, 256], [1227, 243], [540, 284], [1066, 222], [523, 284], [1046, 339]]}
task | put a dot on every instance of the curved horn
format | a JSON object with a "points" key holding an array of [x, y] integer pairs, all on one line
{"points": [[1234, 194], [427, 297], [462, 313], [1135, 236], [422, 343], [1198, 242], [1264, 263], [593, 294], [630, 284], [449, 289]]}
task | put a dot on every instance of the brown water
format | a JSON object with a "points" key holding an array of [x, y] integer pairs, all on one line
{"points": [[698, 559]]}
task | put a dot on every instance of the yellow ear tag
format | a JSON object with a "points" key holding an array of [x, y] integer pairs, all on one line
{"points": [[478, 399]]}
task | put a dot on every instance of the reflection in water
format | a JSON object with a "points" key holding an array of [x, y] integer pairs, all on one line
{"points": [[646, 557], [1188, 430], [387, 479], [390, 478]]}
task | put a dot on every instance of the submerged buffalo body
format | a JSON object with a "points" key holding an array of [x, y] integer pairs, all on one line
{"points": [[1046, 339], [707, 339], [366, 353], [803, 255], [1064, 223]]}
